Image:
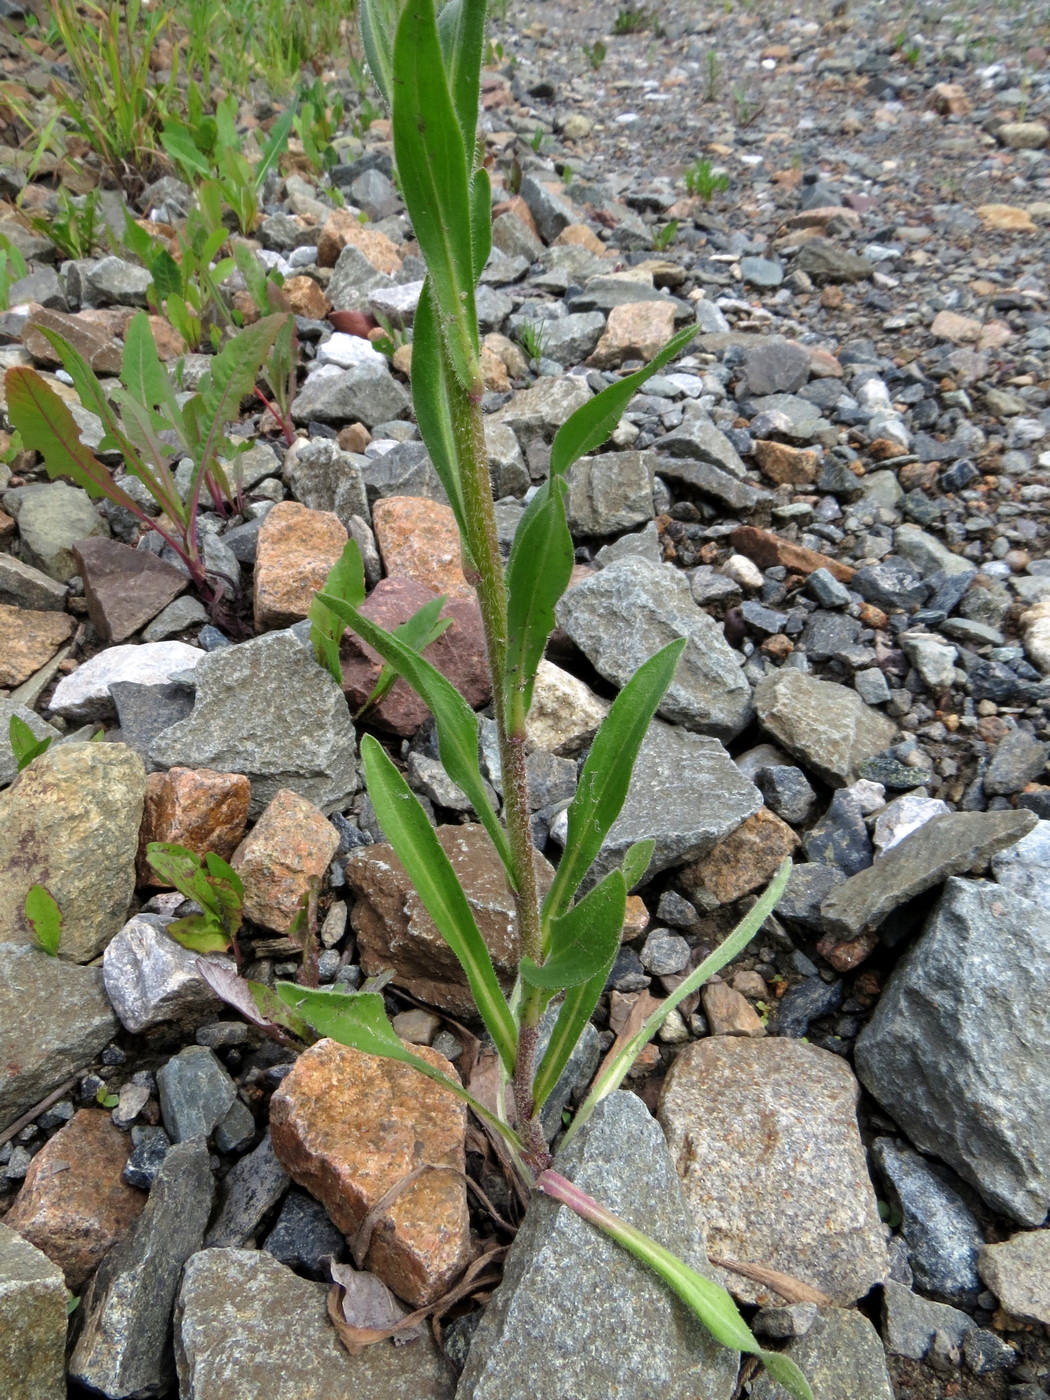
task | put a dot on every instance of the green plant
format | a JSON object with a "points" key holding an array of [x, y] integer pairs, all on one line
{"points": [[317, 121], [712, 73], [536, 140], [595, 53], [532, 337], [76, 228], [702, 180], [12, 268], [24, 744], [746, 106], [428, 69], [630, 21], [664, 237], [145, 421], [186, 288], [210, 883], [104, 1098], [45, 918]]}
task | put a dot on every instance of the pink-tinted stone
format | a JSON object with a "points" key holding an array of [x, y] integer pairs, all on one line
{"points": [[418, 539], [767, 549], [93, 342], [341, 229], [296, 551], [636, 330], [196, 808], [349, 1127], [125, 588], [286, 854], [73, 1204], [795, 465], [459, 654], [28, 640], [729, 1013]]}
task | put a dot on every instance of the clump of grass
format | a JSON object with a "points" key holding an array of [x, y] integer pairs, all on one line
{"points": [[701, 179], [631, 21], [595, 53]]}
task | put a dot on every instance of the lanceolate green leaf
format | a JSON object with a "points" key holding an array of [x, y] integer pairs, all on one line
{"points": [[457, 724], [583, 941], [433, 387], [592, 423], [538, 573], [414, 840], [378, 26], [142, 373], [43, 913], [433, 170], [480, 219], [275, 144], [230, 377], [346, 580], [461, 29], [636, 862], [606, 775], [24, 744]]}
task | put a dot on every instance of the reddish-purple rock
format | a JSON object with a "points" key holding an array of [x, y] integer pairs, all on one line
{"points": [[125, 588]]}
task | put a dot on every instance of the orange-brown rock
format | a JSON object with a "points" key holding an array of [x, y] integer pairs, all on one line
{"points": [[193, 807], [7, 525], [342, 228], [1005, 218], [459, 653], [635, 330], [948, 100], [497, 380], [395, 931], [418, 539], [350, 1127], [306, 298], [283, 858], [795, 465], [767, 549], [95, 345], [73, 1205], [580, 236], [355, 437], [745, 860], [28, 640], [297, 549], [170, 344], [730, 1013], [823, 364]]}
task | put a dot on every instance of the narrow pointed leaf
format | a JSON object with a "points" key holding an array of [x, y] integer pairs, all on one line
{"points": [[143, 375], [538, 573], [275, 144], [415, 842], [480, 218], [378, 26], [457, 724], [433, 386], [576, 1010], [583, 941], [417, 632], [167, 276], [592, 423], [461, 29], [45, 917], [606, 775], [346, 580], [24, 744], [636, 862], [433, 169]]}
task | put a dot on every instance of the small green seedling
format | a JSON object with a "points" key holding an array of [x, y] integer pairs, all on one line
{"points": [[104, 1098], [595, 53], [24, 744], [45, 918], [664, 237], [537, 139], [702, 180], [213, 885], [630, 21], [532, 336]]}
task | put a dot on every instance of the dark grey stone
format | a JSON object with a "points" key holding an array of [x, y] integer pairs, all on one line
{"points": [[716, 483], [551, 213], [910, 1322], [805, 1002], [893, 584], [985, 1351], [196, 1093], [304, 1237], [787, 792], [125, 1347], [577, 1316], [807, 889], [406, 470], [942, 1234], [841, 836], [147, 1157], [247, 1194], [698, 438], [827, 635], [826, 589], [1019, 759], [957, 1047], [825, 261]]}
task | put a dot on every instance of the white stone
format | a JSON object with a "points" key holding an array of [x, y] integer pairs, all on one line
{"points": [[151, 980], [933, 658], [1036, 624], [870, 796], [744, 571], [903, 816], [1025, 867], [84, 694], [565, 712], [348, 352]]}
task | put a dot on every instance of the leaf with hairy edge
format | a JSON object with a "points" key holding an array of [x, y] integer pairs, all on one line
{"points": [[416, 845], [48, 427], [378, 25], [480, 219], [461, 29], [538, 573], [457, 724], [584, 941], [592, 423], [94, 399], [433, 171], [433, 386], [606, 775], [636, 862], [200, 933], [43, 913], [346, 580]]}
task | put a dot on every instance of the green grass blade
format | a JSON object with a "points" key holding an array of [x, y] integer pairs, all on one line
{"points": [[606, 775], [415, 842], [457, 724], [275, 144], [593, 421], [538, 573], [433, 170], [434, 386], [583, 941], [461, 30]]}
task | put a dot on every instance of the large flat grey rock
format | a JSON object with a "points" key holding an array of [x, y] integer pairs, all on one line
{"points": [[958, 1047], [578, 1316], [623, 615], [825, 725], [946, 845], [265, 708]]}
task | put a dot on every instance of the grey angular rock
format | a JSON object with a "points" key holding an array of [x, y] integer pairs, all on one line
{"points": [[570, 339], [195, 1093], [956, 1048], [910, 1323], [825, 261], [736, 497], [775, 366], [538, 412], [368, 394], [827, 726], [70, 822], [549, 210], [697, 437], [353, 279], [22, 586], [55, 1018], [610, 493], [85, 693], [32, 1322], [125, 1345], [114, 281], [765, 1136], [304, 1237], [1018, 1273], [324, 477], [406, 470], [947, 845], [151, 980], [574, 1314], [1020, 759], [248, 1194], [183, 613], [1025, 867], [228, 1348], [266, 709], [145, 710], [842, 1358], [623, 615], [941, 1232], [51, 521]]}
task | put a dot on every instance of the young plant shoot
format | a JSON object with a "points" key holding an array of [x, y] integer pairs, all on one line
{"points": [[427, 66]]}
